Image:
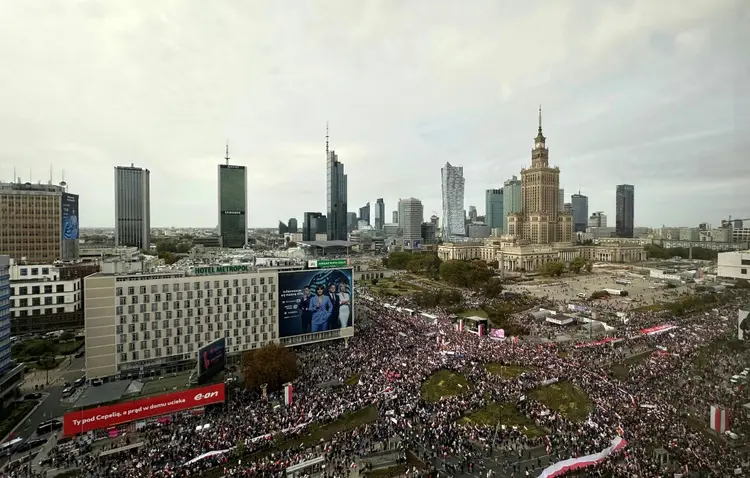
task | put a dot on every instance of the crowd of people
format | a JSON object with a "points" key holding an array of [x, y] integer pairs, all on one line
{"points": [[395, 350]]}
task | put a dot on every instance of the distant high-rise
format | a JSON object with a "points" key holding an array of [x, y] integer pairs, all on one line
{"points": [[283, 228], [379, 214], [292, 225], [580, 212], [395, 217], [598, 219], [336, 196], [561, 200], [473, 213], [511, 199], [494, 215], [452, 185], [232, 204], [351, 221], [364, 213], [314, 224], [411, 216], [132, 207], [6, 360], [625, 210]]}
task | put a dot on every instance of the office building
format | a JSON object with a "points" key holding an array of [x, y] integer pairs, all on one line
{"points": [[580, 204], [454, 216], [132, 207], [473, 214], [379, 214], [561, 200], [477, 230], [364, 213], [598, 219], [429, 233], [625, 210], [6, 361], [144, 324], [494, 214], [511, 199], [292, 225], [283, 228], [568, 208], [395, 217], [39, 222], [232, 204], [351, 221], [541, 221], [315, 223], [411, 215], [336, 196], [734, 265], [48, 297]]}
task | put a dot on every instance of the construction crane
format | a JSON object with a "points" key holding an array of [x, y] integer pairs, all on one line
{"points": [[728, 221]]}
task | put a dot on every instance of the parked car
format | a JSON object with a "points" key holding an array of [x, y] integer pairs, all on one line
{"points": [[33, 396], [30, 445], [67, 392], [80, 353], [79, 382], [96, 382]]}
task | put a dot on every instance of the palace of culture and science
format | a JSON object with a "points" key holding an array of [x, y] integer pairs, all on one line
{"points": [[541, 232]]}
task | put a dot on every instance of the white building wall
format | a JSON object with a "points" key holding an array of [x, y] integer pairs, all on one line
{"points": [[735, 264]]}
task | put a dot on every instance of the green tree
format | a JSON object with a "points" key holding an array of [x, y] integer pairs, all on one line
{"points": [[589, 266], [492, 289], [399, 260], [465, 274], [554, 269], [272, 364], [577, 264]]}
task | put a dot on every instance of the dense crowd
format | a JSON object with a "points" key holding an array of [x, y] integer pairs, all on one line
{"points": [[394, 351]]}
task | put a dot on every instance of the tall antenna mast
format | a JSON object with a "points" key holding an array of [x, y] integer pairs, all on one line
{"points": [[50, 174], [226, 157], [326, 139]]}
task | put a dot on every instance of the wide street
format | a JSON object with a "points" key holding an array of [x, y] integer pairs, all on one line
{"points": [[501, 462]]}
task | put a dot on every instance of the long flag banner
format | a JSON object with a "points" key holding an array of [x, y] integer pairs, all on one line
{"points": [[565, 466]]}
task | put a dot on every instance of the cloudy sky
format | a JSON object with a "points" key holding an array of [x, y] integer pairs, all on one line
{"points": [[653, 93]]}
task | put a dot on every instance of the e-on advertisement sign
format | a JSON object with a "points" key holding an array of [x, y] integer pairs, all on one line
{"points": [[315, 301], [84, 421], [69, 208], [211, 359]]}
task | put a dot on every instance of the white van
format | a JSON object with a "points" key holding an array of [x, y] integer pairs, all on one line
{"points": [[581, 295]]}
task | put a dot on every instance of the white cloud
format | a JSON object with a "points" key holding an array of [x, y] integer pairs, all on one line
{"points": [[630, 89]]}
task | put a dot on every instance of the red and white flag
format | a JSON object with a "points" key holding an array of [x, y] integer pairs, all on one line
{"points": [[288, 393], [719, 419]]}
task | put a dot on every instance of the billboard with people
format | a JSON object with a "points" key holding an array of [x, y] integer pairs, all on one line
{"points": [[82, 421], [211, 360], [315, 300], [69, 210]]}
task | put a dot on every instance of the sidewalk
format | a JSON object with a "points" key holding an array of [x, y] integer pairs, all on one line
{"points": [[39, 377]]}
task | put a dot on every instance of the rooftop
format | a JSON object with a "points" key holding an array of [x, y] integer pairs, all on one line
{"points": [[325, 244], [105, 393]]}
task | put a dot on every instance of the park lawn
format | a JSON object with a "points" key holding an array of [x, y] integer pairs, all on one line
{"points": [[12, 415], [620, 369], [505, 414], [473, 313], [566, 399], [390, 472], [389, 286], [506, 371], [444, 383], [68, 348], [353, 379]]}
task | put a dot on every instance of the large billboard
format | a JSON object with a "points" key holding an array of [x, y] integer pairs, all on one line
{"points": [[211, 359], [84, 421], [315, 300], [69, 208], [743, 324]]}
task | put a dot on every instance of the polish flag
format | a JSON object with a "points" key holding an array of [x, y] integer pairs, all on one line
{"points": [[288, 394]]}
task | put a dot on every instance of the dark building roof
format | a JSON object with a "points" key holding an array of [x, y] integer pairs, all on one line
{"points": [[324, 244]]}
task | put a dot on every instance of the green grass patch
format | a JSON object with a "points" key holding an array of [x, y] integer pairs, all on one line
{"points": [[506, 371], [621, 369], [353, 379], [12, 415], [394, 287], [505, 414], [566, 399], [444, 383], [389, 472], [473, 313], [68, 348]]}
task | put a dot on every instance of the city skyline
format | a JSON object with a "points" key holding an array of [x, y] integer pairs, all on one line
{"points": [[652, 102]]}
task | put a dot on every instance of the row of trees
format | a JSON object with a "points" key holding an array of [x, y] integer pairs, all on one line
{"points": [[556, 268], [658, 252], [447, 298], [469, 274], [424, 263]]}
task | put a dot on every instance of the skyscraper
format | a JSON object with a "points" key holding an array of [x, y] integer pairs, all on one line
{"points": [[625, 210], [580, 211], [540, 220], [379, 214], [312, 225], [292, 225], [395, 217], [473, 213], [132, 207], [494, 207], [5, 346], [232, 204], [364, 213], [452, 185], [336, 196], [511, 199], [411, 216], [351, 221]]}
